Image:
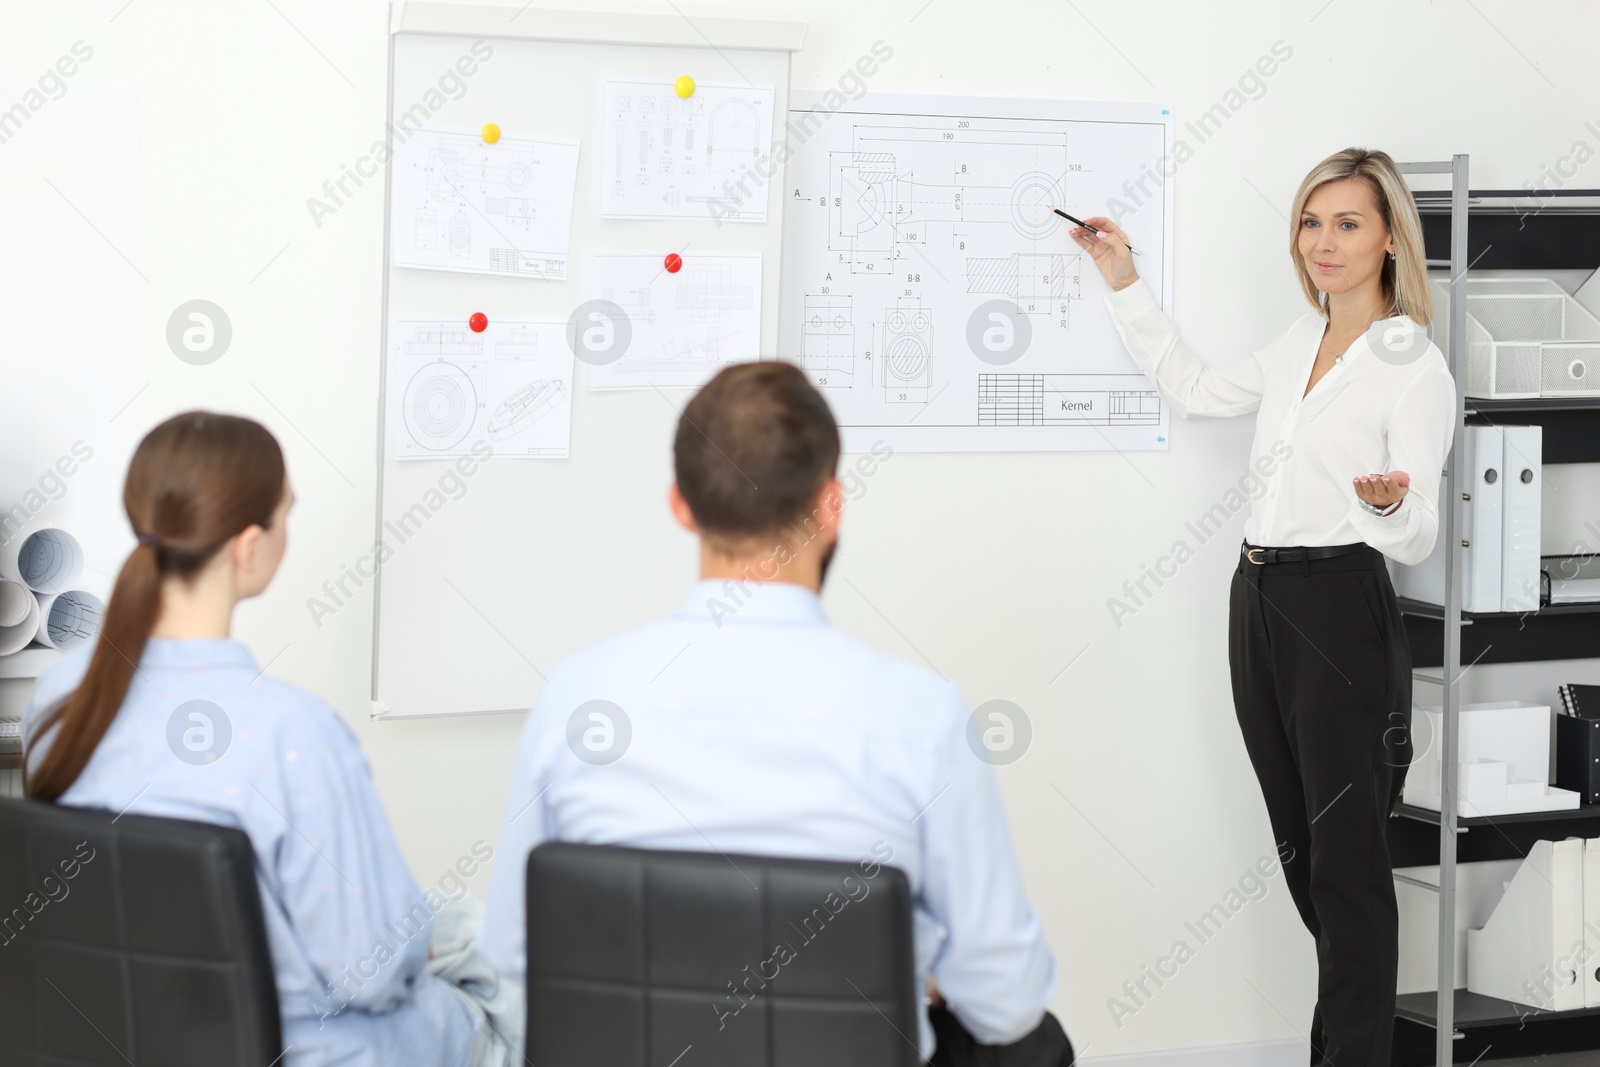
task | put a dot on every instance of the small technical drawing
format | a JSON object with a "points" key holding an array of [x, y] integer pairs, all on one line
{"points": [[440, 342], [520, 342], [681, 326], [1026, 277], [427, 230], [828, 340], [667, 158], [907, 352], [440, 405], [469, 205], [735, 125], [450, 388], [1032, 197], [525, 407], [706, 301], [513, 208], [862, 202], [461, 235], [879, 206]]}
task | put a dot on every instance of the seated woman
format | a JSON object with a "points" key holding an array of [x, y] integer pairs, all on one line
{"points": [[169, 716]]}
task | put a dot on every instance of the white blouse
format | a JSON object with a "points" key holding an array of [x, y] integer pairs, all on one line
{"points": [[1371, 413]]}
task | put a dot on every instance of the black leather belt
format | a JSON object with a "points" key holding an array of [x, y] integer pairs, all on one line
{"points": [[1259, 555]]}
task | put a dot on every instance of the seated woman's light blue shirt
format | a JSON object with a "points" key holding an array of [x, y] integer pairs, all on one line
{"points": [[347, 924]]}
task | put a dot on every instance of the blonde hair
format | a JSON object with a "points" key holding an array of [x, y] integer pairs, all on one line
{"points": [[1404, 279]]}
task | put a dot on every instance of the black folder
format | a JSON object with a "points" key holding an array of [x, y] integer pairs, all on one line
{"points": [[1581, 701], [1578, 756]]}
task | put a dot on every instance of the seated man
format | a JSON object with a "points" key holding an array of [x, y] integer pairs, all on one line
{"points": [[754, 726]]}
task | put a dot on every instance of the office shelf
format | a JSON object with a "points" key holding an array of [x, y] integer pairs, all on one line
{"points": [[1490, 1029], [1515, 229], [1569, 423], [1475, 1010], [1560, 631], [1533, 405], [1414, 834], [1509, 231], [1428, 610], [27, 663]]}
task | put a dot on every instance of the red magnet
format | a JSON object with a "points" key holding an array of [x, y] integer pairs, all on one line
{"points": [[674, 263], [479, 322]]}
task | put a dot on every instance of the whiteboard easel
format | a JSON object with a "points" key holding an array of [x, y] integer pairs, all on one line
{"points": [[536, 558]]}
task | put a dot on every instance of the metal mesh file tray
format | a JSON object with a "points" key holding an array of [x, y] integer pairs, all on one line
{"points": [[1526, 338]]}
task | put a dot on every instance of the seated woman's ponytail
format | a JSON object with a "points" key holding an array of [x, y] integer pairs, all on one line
{"points": [[194, 482]]}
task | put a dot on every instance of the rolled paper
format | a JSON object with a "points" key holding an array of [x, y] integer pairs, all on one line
{"points": [[15, 638], [68, 620], [15, 603], [73, 617], [47, 560]]}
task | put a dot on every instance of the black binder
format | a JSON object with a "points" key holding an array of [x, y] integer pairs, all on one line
{"points": [[1578, 756], [1582, 701]]}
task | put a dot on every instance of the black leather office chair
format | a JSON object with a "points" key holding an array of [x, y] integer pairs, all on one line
{"points": [[130, 940], [637, 956]]}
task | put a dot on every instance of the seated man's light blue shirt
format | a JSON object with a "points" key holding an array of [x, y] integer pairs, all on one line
{"points": [[347, 925], [754, 726]]}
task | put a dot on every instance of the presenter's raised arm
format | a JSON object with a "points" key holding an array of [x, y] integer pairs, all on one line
{"points": [[1185, 382]]}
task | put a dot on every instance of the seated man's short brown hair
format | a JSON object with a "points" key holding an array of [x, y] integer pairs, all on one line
{"points": [[753, 449]]}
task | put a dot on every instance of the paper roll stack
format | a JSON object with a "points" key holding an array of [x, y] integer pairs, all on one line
{"points": [[19, 617], [46, 596]]}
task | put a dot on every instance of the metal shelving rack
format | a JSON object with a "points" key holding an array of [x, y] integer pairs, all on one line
{"points": [[1449, 742], [1563, 234]]}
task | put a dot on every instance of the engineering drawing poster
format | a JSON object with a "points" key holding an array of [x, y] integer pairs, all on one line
{"points": [[933, 295]]}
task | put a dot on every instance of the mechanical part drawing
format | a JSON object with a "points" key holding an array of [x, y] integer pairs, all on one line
{"points": [[933, 294]]}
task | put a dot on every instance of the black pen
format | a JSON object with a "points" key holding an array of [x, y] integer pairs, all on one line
{"points": [[1085, 225]]}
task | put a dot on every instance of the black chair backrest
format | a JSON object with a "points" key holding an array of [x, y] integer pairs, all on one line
{"points": [[130, 940], [635, 956]]}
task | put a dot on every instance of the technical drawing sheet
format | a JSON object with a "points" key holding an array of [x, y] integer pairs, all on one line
{"points": [[453, 391], [662, 157], [459, 203], [933, 296], [674, 328]]}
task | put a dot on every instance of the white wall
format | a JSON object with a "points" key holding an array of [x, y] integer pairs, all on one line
{"points": [[1136, 809]]}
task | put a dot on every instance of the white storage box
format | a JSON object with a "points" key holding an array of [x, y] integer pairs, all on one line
{"points": [[1526, 338], [1512, 733]]}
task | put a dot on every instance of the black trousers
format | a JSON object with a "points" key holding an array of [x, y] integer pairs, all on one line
{"points": [[1047, 1046], [1322, 689]]}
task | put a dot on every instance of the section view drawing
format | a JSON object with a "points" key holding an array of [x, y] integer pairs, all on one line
{"points": [[1030, 278], [907, 354]]}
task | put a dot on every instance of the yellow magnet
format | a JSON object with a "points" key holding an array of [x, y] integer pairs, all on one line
{"points": [[491, 133], [684, 86]]}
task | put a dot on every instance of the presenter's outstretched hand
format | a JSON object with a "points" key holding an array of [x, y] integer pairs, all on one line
{"points": [[1109, 249], [1381, 490]]}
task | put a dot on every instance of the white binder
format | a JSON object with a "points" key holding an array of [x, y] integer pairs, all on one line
{"points": [[1591, 922], [1480, 564], [1519, 574], [1531, 951], [1483, 454]]}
